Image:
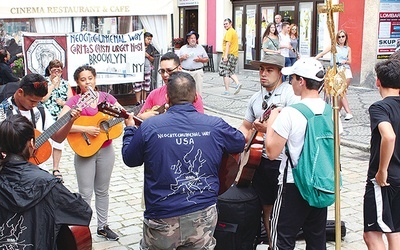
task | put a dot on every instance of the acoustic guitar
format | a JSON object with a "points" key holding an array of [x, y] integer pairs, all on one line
{"points": [[74, 238], [251, 157], [43, 148], [109, 120]]}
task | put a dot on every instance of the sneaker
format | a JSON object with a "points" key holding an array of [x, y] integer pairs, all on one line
{"points": [[238, 87], [107, 233], [226, 93], [348, 116]]}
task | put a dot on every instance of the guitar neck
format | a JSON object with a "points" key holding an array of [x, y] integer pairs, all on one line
{"points": [[53, 129]]}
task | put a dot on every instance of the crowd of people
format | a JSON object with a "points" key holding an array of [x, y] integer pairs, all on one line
{"points": [[181, 148]]}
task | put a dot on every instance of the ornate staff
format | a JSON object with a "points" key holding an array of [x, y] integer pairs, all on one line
{"points": [[335, 86]]}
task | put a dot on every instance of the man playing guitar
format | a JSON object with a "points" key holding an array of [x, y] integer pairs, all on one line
{"points": [[25, 101], [273, 92], [169, 63]]}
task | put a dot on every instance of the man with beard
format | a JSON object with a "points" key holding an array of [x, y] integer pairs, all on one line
{"points": [[272, 91]]}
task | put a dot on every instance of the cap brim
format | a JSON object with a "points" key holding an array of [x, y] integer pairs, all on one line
{"points": [[287, 70]]}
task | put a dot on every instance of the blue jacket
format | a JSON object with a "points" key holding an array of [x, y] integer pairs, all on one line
{"points": [[181, 151]]}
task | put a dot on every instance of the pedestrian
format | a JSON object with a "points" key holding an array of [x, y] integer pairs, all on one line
{"points": [[278, 22], [230, 56], [294, 43], [272, 91], [34, 204], [143, 87], [181, 151], [343, 60], [58, 93], [169, 63], [270, 43], [27, 101], [93, 173], [287, 126], [193, 57], [6, 74], [382, 191], [284, 43]]}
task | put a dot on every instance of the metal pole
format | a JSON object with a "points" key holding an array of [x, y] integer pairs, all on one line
{"points": [[338, 236]]}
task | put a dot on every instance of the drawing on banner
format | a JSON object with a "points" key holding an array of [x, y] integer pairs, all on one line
{"points": [[41, 52]]}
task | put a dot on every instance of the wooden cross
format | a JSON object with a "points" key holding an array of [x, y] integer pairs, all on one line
{"points": [[329, 9]]}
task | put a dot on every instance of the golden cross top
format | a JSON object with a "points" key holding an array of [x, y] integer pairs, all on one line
{"points": [[329, 9]]}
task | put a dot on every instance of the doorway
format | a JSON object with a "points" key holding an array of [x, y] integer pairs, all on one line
{"points": [[191, 21]]}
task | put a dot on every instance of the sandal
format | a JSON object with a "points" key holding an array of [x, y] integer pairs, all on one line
{"points": [[58, 174]]}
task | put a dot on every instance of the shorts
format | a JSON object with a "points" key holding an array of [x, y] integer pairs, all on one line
{"points": [[145, 85], [57, 145], [265, 180], [347, 72], [381, 208], [188, 231], [228, 68]]}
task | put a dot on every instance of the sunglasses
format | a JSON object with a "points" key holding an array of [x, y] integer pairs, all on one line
{"points": [[341, 36], [265, 101], [168, 71]]}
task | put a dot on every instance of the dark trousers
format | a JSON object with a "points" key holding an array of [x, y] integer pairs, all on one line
{"points": [[291, 212]]}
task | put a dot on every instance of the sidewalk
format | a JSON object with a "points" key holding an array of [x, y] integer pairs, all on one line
{"points": [[356, 132]]}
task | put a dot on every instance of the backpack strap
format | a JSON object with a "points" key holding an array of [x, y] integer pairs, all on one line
{"points": [[42, 114], [9, 111]]}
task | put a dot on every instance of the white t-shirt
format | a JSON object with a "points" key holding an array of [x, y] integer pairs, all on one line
{"points": [[284, 40], [291, 125]]}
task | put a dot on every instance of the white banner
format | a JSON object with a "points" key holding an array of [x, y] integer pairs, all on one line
{"points": [[117, 58]]}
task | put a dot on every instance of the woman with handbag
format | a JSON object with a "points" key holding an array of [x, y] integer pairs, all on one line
{"points": [[270, 43]]}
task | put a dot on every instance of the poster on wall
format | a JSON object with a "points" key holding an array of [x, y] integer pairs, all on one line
{"points": [[305, 28], [389, 28], [117, 58]]}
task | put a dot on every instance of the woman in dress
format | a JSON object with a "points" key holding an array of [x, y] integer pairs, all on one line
{"points": [[58, 93], [93, 173], [270, 43], [343, 59]]}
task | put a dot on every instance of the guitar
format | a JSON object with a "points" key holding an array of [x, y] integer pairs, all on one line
{"points": [[74, 238], [42, 145], [251, 157], [108, 120]]}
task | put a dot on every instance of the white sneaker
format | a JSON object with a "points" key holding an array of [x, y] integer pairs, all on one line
{"points": [[348, 116], [238, 87]]}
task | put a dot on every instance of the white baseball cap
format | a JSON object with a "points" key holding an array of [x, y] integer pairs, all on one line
{"points": [[305, 67]]}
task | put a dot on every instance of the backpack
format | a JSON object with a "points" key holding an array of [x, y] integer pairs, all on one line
{"points": [[5, 108], [314, 174]]}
